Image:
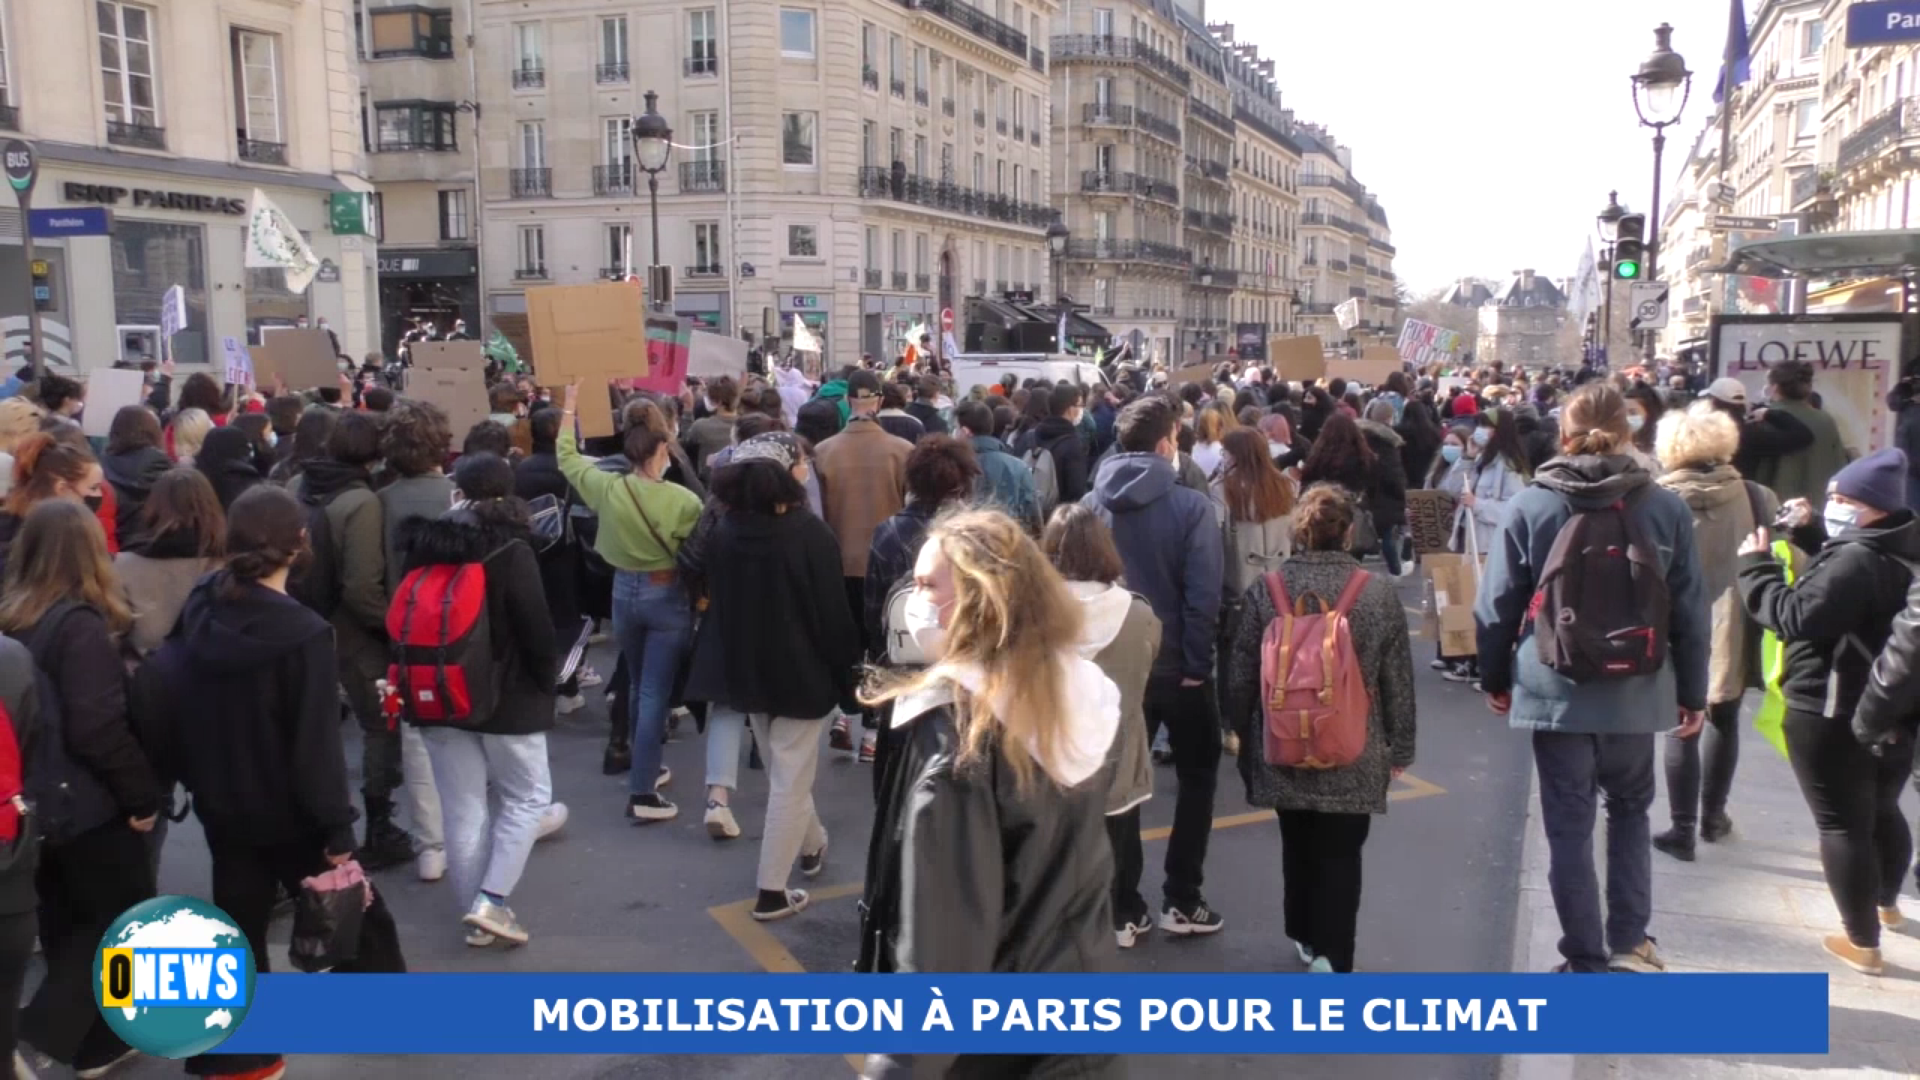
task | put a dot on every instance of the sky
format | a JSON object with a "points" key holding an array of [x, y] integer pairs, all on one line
{"points": [[1490, 130]]}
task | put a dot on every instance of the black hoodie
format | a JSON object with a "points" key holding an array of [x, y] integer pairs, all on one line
{"points": [[132, 474], [1838, 613], [226, 459], [241, 705]]}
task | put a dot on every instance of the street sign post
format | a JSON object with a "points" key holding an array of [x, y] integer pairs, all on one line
{"points": [[23, 169], [1888, 22], [1649, 306], [1732, 223]]}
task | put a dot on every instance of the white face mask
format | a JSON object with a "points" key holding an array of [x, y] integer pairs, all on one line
{"points": [[1839, 518], [923, 622], [1482, 436], [1636, 421]]}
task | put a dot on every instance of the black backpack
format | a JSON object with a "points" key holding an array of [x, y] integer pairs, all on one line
{"points": [[67, 799], [1601, 609], [318, 584]]}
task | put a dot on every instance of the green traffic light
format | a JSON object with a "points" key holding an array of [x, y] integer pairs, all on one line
{"points": [[1626, 269]]}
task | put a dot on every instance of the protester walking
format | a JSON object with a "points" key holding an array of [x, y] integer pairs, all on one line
{"points": [[1834, 619], [538, 477], [1326, 813], [988, 854], [46, 467], [133, 463], [183, 538], [1005, 481], [227, 460], [1594, 733], [1387, 496], [1697, 445]]}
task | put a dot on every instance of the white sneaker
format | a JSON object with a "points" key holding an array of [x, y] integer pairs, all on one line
{"points": [[1320, 966], [720, 822], [552, 820], [21, 1070], [589, 677], [495, 919], [567, 706], [431, 863], [1128, 934], [478, 938], [666, 777], [1307, 956]]}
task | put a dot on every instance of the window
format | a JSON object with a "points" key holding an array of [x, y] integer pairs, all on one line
{"points": [[796, 33], [613, 43], [619, 142], [528, 62], [703, 56], [869, 143], [706, 247], [1103, 225], [979, 171], [896, 73], [453, 215], [873, 254], [1813, 33], [148, 258], [1103, 157], [920, 155], [1806, 118], [796, 139], [1103, 95], [946, 162], [256, 87], [412, 31], [533, 251], [899, 255], [869, 45], [920, 82], [1103, 22], [896, 146], [619, 246], [414, 125], [1102, 295], [533, 144], [127, 62], [803, 242], [920, 253], [1016, 183], [999, 178], [706, 134]]}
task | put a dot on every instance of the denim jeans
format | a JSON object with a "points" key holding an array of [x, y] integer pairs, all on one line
{"points": [[1390, 547], [1574, 770], [726, 731], [653, 623], [487, 850]]}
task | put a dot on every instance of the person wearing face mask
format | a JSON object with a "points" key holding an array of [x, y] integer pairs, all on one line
{"points": [[1645, 406], [46, 467], [1497, 474], [777, 592], [990, 852], [1834, 619], [643, 520]]}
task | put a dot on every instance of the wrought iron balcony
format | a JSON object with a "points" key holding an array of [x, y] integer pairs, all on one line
{"points": [[923, 283], [611, 73], [529, 273], [974, 21], [9, 117], [705, 270], [900, 281], [1877, 134], [1037, 58], [1316, 309], [1034, 136], [262, 152], [1000, 124], [1357, 290], [899, 87], [1338, 266], [1157, 126], [1109, 47], [1128, 251], [873, 278], [529, 78], [1382, 245], [144, 136], [1216, 278], [921, 97], [869, 78], [708, 175], [979, 286], [701, 66], [1211, 115], [614, 179], [1101, 112], [530, 183], [979, 118], [1344, 186], [1105, 181], [881, 183], [1211, 222], [1809, 185], [946, 106], [1019, 133]]}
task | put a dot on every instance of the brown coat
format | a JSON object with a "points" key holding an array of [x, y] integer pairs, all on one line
{"points": [[1722, 518], [863, 482]]}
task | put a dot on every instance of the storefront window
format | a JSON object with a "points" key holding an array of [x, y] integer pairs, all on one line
{"points": [[269, 301], [150, 257]]}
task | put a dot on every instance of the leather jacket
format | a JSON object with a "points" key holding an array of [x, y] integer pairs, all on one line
{"points": [[966, 873], [1887, 706]]}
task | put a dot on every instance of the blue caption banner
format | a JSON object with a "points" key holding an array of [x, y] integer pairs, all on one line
{"points": [[1126, 1014], [1888, 22]]}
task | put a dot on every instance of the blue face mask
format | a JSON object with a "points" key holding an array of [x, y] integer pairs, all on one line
{"points": [[1482, 436], [1451, 452], [1839, 518]]}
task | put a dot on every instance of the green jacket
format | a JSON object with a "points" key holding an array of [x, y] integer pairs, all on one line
{"points": [[1804, 474], [625, 540], [836, 392]]}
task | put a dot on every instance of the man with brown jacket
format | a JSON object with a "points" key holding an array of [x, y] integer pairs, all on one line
{"points": [[863, 482]]}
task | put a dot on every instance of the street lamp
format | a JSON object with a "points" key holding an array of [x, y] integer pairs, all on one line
{"points": [[1206, 305], [1660, 91], [652, 144], [1609, 219], [1057, 235]]}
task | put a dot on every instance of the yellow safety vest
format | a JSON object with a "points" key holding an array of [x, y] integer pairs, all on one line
{"points": [[1768, 719]]}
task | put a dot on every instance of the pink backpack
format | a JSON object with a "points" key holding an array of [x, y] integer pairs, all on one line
{"points": [[1316, 698]]}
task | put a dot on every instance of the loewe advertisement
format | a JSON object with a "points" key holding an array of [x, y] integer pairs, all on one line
{"points": [[1855, 358]]}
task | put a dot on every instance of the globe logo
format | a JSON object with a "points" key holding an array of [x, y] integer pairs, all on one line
{"points": [[173, 976]]}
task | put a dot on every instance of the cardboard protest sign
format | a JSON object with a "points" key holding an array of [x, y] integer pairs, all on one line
{"points": [[1193, 373], [668, 347], [1430, 520], [1455, 579], [452, 375], [237, 363], [710, 356], [593, 333], [1298, 359], [1375, 364], [301, 357], [108, 391]]}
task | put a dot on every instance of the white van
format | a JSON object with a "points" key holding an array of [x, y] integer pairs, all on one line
{"points": [[985, 369]]}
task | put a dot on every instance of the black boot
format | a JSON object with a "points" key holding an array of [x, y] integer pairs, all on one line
{"points": [[1677, 842], [1716, 826], [387, 845], [618, 759]]}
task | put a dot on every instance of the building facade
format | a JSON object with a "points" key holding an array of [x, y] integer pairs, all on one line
{"points": [[1266, 169], [860, 167], [1520, 323], [170, 118], [1346, 245]]}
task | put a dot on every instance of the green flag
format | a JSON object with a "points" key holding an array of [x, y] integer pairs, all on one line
{"points": [[502, 352]]}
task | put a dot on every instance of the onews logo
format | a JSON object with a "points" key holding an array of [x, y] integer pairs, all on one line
{"points": [[173, 976]]}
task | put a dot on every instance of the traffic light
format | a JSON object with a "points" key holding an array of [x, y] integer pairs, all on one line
{"points": [[1629, 247]]}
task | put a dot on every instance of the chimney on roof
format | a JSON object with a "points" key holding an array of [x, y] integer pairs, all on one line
{"points": [[1526, 281]]}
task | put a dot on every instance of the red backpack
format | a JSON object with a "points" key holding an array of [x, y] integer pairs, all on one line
{"points": [[13, 804], [442, 647], [1316, 696]]}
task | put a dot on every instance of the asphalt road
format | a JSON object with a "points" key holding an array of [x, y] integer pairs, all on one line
{"points": [[604, 896]]}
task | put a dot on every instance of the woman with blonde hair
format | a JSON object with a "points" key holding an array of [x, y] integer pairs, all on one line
{"points": [[187, 433], [19, 418], [1697, 446], [1210, 424], [990, 849]]}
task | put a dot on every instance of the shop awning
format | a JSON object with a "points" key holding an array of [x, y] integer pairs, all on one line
{"points": [[1008, 312], [1853, 254]]}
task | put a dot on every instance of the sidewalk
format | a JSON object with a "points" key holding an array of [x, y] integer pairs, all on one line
{"points": [[1754, 902]]}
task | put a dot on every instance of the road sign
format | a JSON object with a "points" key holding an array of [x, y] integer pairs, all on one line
{"points": [[1649, 306], [1730, 223], [75, 221], [946, 319], [22, 167], [1891, 22]]}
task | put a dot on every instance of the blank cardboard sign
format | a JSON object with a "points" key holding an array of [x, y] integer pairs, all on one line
{"points": [[1298, 359], [593, 333], [108, 391], [304, 358], [452, 375]]}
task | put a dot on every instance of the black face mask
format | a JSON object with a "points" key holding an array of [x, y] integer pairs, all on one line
{"points": [[94, 502]]}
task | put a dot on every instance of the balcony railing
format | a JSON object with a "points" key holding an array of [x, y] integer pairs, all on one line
{"points": [[1357, 291], [869, 78], [700, 66], [899, 88], [1037, 58], [873, 279], [1382, 245], [923, 283], [1000, 124], [1811, 184], [979, 286], [900, 281], [946, 106], [10, 117], [529, 273], [1125, 49], [1877, 134], [1201, 219], [1206, 112], [880, 183], [1384, 301], [921, 97], [705, 270], [1019, 133], [145, 136], [1344, 186], [530, 183], [709, 175], [1001, 286], [1100, 112], [1034, 136], [1338, 266], [1099, 181], [529, 78], [614, 179], [975, 21], [1316, 309], [1128, 251], [979, 118], [1216, 278], [1157, 126], [262, 152], [611, 73]]}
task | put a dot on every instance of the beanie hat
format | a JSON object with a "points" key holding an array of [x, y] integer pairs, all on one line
{"points": [[1879, 480]]}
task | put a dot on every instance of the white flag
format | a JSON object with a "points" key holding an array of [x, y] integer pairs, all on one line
{"points": [[273, 240], [803, 340], [1584, 297], [1348, 313]]}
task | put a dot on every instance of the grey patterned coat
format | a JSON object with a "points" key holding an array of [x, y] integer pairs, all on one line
{"points": [[1380, 638]]}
